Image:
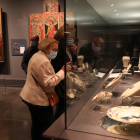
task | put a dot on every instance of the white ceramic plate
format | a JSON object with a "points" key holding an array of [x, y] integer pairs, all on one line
{"points": [[125, 114], [131, 91]]}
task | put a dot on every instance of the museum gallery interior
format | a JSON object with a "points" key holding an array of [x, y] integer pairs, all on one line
{"points": [[102, 89]]}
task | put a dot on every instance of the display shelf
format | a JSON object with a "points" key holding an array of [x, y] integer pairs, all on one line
{"points": [[87, 121]]}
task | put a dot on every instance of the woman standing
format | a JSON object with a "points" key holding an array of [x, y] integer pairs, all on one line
{"points": [[41, 79]]}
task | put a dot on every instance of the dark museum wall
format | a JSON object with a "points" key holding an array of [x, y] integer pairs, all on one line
{"points": [[16, 26]]}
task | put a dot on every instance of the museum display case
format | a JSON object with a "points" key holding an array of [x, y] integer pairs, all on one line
{"points": [[103, 93]]}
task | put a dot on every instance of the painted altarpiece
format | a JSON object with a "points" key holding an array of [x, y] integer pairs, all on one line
{"points": [[36, 25], [1, 39], [51, 6], [51, 24], [46, 24]]}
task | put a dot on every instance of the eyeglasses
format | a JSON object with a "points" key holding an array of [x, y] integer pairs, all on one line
{"points": [[54, 50]]}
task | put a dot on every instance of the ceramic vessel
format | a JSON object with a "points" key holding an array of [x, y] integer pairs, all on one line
{"points": [[131, 91], [80, 59], [114, 82], [125, 114], [71, 93], [102, 95], [76, 80], [125, 60]]}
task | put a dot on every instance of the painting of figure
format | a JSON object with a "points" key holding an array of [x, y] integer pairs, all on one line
{"points": [[37, 25], [46, 24], [1, 39], [69, 19], [51, 24], [51, 6]]}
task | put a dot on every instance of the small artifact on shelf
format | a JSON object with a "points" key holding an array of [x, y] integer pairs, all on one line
{"points": [[71, 93], [80, 59], [127, 69], [125, 114], [95, 71], [131, 91], [83, 66], [129, 66], [90, 76], [107, 76], [76, 80], [102, 95], [115, 81], [80, 69], [86, 65], [126, 60]]}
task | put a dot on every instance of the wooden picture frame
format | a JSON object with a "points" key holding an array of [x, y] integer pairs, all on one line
{"points": [[1, 39]]}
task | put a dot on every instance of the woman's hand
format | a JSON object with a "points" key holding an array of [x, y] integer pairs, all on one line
{"points": [[68, 67]]}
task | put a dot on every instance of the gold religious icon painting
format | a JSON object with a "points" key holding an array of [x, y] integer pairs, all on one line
{"points": [[1, 39], [36, 25], [51, 6], [51, 24], [69, 19], [46, 24]]}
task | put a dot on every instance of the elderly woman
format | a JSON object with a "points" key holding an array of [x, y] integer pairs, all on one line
{"points": [[41, 79]]}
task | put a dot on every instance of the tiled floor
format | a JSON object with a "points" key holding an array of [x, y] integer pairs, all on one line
{"points": [[15, 119]]}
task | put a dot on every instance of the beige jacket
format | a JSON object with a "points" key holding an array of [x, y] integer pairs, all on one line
{"points": [[41, 69]]}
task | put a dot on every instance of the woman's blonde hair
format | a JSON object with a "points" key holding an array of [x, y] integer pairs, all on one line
{"points": [[46, 42]]}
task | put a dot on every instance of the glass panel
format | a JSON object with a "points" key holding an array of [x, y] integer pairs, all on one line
{"points": [[107, 36]]}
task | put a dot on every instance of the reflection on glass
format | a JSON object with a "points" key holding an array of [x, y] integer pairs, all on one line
{"points": [[107, 32], [117, 127]]}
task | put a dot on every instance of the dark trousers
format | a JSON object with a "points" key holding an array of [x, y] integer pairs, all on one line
{"points": [[42, 118], [59, 108]]}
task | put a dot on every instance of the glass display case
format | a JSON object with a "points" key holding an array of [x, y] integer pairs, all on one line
{"points": [[103, 93]]}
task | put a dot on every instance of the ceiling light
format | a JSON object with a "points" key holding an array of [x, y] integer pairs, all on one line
{"points": [[95, 21], [112, 5], [116, 14], [115, 10]]}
